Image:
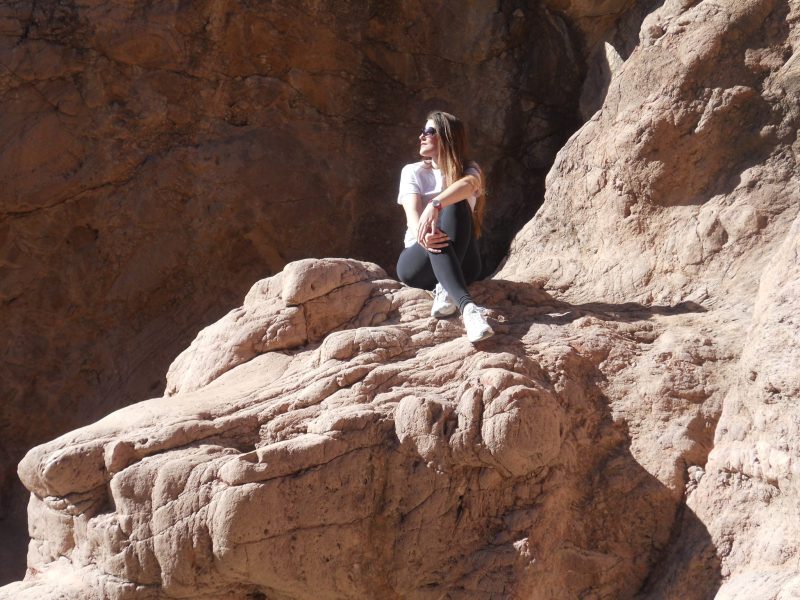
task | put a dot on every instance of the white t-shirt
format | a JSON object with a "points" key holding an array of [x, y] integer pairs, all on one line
{"points": [[421, 178]]}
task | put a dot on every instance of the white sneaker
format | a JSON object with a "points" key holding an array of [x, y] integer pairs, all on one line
{"points": [[442, 305], [475, 323]]}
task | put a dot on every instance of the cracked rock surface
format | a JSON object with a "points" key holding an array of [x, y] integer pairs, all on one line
{"points": [[629, 432], [390, 459]]}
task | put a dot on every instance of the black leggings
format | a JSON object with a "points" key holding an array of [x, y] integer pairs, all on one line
{"points": [[455, 267]]}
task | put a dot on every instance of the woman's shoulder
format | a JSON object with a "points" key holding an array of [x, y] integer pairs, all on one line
{"points": [[422, 165]]}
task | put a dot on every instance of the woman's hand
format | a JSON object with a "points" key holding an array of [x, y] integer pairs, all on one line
{"points": [[434, 242], [428, 234], [427, 223]]}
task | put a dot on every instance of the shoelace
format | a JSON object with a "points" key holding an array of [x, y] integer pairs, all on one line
{"points": [[440, 294]]}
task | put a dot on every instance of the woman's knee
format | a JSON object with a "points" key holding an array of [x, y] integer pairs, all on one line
{"points": [[456, 220], [458, 210], [404, 274], [413, 268], [415, 280]]}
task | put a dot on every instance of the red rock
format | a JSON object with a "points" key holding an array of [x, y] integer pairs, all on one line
{"points": [[157, 160], [628, 431]]}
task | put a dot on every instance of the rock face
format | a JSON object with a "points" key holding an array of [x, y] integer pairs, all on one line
{"points": [[682, 191], [157, 159], [629, 432], [390, 459]]}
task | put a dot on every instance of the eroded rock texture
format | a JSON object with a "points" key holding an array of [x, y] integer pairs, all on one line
{"points": [[630, 430], [682, 191], [390, 459], [158, 158]]}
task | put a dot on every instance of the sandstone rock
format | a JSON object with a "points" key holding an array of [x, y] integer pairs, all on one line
{"points": [[654, 240], [678, 192], [592, 19], [752, 470], [156, 160], [395, 459], [243, 333], [646, 334]]}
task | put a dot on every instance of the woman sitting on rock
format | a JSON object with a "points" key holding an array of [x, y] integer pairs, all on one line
{"points": [[443, 197]]}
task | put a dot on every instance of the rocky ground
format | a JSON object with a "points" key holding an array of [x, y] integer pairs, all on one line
{"points": [[630, 431]]}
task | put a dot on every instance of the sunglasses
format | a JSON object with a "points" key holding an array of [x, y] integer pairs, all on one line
{"points": [[428, 131]]}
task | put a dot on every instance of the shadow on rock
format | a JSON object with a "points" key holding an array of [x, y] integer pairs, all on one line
{"points": [[518, 303], [331, 435]]}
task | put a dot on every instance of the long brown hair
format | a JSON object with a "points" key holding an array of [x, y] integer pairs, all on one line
{"points": [[452, 159]]}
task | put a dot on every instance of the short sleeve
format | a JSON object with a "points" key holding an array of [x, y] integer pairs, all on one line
{"points": [[474, 169], [408, 183]]}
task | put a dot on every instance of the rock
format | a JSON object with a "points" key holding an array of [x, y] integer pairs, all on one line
{"points": [[751, 471], [157, 160], [628, 431], [593, 20], [696, 473], [653, 240], [243, 334], [677, 193], [379, 459]]}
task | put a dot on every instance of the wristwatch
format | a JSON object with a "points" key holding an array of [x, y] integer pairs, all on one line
{"points": [[437, 205]]}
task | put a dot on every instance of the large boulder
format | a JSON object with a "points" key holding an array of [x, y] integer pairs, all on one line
{"points": [[390, 459]]}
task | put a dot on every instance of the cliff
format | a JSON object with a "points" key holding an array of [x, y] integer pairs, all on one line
{"points": [[158, 159], [629, 432]]}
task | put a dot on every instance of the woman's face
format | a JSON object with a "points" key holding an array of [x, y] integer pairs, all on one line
{"points": [[429, 143]]}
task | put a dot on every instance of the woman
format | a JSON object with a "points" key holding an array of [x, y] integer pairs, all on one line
{"points": [[443, 198]]}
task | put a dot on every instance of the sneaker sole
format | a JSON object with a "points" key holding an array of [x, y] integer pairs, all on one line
{"points": [[485, 334], [445, 312]]}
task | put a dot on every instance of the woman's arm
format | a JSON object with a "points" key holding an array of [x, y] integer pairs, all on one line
{"points": [[467, 186], [459, 190], [433, 240], [412, 204]]}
